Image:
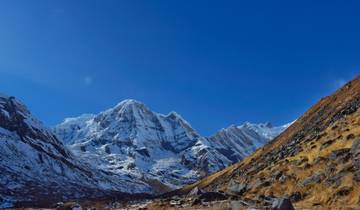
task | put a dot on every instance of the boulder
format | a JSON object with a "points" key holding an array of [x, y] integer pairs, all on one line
{"points": [[282, 204], [236, 188], [194, 192]]}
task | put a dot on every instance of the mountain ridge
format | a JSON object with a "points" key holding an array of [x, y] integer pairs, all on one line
{"points": [[125, 149], [134, 125], [314, 163], [35, 166]]}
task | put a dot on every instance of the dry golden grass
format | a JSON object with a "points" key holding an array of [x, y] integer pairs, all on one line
{"points": [[210, 179], [317, 195], [324, 128], [320, 194]]}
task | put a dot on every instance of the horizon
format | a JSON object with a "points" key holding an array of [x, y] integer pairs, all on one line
{"points": [[214, 63]]}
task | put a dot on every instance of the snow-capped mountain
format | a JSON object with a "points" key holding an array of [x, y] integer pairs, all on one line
{"points": [[129, 139], [36, 166], [163, 151], [237, 142]]}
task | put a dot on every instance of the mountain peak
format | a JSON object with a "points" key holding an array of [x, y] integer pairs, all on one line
{"points": [[129, 102], [174, 115]]}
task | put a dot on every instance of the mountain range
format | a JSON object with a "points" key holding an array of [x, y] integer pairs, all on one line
{"points": [[314, 164], [127, 149], [163, 151]]}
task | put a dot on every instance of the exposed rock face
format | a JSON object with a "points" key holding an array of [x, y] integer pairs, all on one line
{"points": [[131, 140], [36, 166]]}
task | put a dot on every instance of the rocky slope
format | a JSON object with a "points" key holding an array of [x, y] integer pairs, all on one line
{"points": [[36, 167], [314, 163], [238, 142], [163, 151]]}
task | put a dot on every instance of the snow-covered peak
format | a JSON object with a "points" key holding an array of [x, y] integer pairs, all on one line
{"points": [[174, 115], [266, 130], [237, 142], [129, 105], [132, 140], [129, 102], [32, 159]]}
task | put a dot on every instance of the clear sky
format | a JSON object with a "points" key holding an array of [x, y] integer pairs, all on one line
{"points": [[214, 62]]}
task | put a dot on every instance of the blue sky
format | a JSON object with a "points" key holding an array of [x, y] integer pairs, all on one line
{"points": [[214, 62]]}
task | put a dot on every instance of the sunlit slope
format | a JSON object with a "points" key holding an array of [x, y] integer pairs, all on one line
{"points": [[311, 162]]}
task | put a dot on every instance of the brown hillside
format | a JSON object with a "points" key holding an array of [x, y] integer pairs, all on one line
{"points": [[311, 162]]}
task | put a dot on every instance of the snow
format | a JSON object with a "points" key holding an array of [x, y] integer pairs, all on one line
{"points": [[6, 113], [31, 155], [240, 141], [133, 144], [131, 140]]}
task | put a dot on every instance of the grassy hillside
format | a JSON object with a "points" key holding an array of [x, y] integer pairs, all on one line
{"points": [[311, 162]]}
